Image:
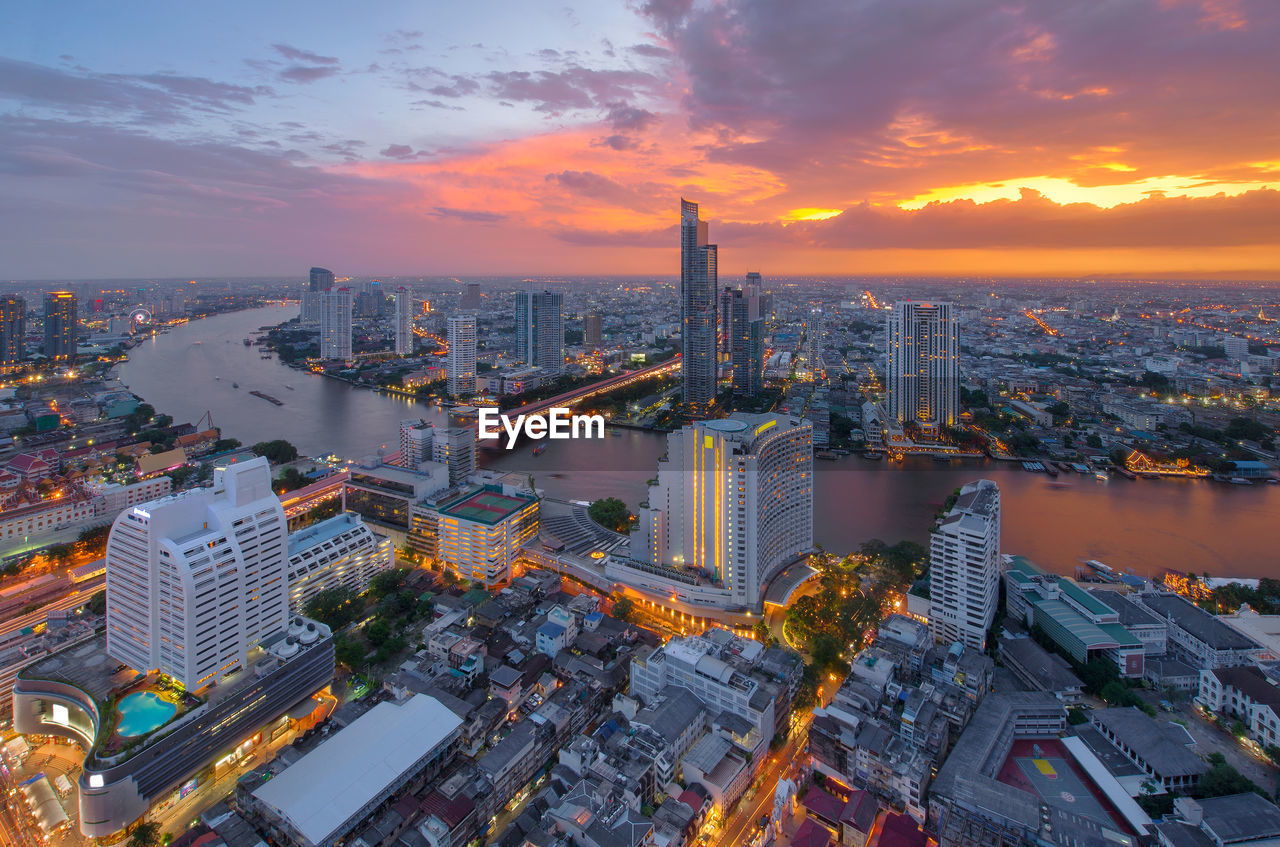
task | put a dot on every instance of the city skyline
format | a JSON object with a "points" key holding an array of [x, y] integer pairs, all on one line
{"points": [[1013, 142]]}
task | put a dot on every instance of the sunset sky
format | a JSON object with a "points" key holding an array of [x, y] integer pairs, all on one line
{"points": [[959, 137]]}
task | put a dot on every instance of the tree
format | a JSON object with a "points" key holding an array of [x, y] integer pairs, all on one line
{"points": [[349, 652], [388, 582], [762, 633], [1094, 441], [97, 604], [222, 445], [379, 633], [623, 608], [1058, 410], [277, 452], [333, 607], [611, 513], [291, 480], [1222, 779], [145, 834]]}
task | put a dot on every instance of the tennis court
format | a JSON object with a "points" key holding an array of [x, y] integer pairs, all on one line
{"points": [[487, 507]]}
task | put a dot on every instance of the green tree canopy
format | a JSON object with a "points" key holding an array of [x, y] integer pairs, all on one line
{"points": [[623, 608], [611, 513], [277, 452], [333, 607]]}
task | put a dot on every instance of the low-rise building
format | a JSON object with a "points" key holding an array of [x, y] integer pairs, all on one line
{"points": [[324, 796], [1041, 670], [1197, 637], [1159, 748], [1246, 694]]}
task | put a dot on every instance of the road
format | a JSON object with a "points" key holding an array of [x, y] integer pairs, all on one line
{"points": [[742, 823], [74, 598]]}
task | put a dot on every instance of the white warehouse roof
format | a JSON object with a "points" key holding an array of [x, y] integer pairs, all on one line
{"points": [[319, 792]]}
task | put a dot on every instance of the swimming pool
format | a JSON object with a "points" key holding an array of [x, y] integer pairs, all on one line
{"points": [[142, 712]]}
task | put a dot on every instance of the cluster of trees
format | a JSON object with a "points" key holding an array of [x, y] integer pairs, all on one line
{"points": [[850, 601], [394, 607], [290, 480], [278, 451], [611, 513], [1227, 598]]}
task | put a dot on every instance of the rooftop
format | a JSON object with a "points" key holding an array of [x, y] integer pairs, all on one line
{"points": [[488, 507], [1131, 614], [1198, 622], [1252, 682], [1241, 817], [324, 788], [1053, 673], [1162, 745]]}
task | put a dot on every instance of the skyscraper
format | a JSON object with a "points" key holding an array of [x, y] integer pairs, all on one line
{"points": [[814, 335], [321, 279], [734, 500], [13, 330], [404, 321], [60, 325], [923, 373], [964, 567], [591, 331], [746, 341], [540, 329], [698, 289], [198, 579], [460, 364], [335, 324]]}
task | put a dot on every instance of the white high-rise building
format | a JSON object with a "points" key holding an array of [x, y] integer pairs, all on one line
{"points": [[461, 361], [540, 329], [964, 567], [335, 324], [417, 439], [455, 447], [923, 373], [341, 552], [196, 580], [734, 501], [404, 321]]}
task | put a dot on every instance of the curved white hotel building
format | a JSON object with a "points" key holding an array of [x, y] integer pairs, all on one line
{"points": [[732, 505]]}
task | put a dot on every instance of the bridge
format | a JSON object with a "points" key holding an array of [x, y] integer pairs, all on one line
{"points": [[596, 389], [302, 500]]}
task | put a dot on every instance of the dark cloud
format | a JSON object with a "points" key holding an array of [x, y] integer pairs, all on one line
{"points": [[473, 215], [651, 51], [625, 118], [307, 74], [398, 151], [458, 86], [436, 104], [293, 54], [872, 88], [573, 88], [164, 98]]}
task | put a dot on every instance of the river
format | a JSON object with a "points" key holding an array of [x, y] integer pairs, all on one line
{"points": [[1142, 525]]}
